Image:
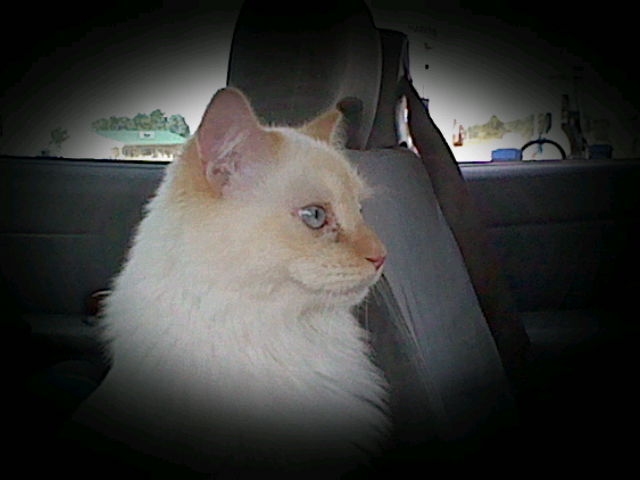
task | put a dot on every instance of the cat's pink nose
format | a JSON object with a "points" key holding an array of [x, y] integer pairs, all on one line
{"points": [[377, 261]]}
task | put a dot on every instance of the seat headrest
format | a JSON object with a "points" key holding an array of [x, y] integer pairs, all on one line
{"points": [[294, 63]]}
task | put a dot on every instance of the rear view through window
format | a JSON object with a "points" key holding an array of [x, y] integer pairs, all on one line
{"points": [[134, 87], [125, 86]]}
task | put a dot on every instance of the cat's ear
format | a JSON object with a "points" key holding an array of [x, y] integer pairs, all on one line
{"points": [[231, 143], [325, 127]]}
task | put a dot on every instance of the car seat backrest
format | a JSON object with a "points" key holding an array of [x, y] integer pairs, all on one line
{"points": [[432, 339], [455, 355], [471, 234], [468, 227]]}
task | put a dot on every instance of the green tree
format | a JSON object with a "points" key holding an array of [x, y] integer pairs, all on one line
{"points": [[158, 120], [142, 121], [100, 124], [178, 125], [123, 123], [58, 136]]}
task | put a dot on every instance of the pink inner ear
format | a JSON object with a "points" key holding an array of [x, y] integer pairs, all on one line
{"points": [[231, 142]]}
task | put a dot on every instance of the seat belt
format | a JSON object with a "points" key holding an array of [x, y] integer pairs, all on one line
{"points": [[470, 233]]}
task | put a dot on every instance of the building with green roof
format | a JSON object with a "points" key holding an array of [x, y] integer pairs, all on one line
{"points": [[144, 144]]}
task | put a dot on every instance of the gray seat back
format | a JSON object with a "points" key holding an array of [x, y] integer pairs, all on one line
{"points": [[454, 354], [432, 339], [468, 227]]}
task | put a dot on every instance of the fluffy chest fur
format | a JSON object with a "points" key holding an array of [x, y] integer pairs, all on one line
{"points": [[226, 375]]}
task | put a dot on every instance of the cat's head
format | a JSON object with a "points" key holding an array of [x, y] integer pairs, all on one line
{"points": [[278, 208]]}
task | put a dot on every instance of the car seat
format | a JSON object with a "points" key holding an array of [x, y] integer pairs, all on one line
{"points": [[442, 322]]}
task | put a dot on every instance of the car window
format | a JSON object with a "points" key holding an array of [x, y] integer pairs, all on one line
{"points": [[497, 79], [132, 90], [134, 85]]}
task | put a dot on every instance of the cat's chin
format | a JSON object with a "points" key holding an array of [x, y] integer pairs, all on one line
{"points": [[347, 296], [353, 297], [356, 294]]}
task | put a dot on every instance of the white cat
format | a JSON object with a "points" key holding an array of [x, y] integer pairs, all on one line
{"points": [[229, 326]]}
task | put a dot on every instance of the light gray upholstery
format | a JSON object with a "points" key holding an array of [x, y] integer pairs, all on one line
{"points": [[470, 233], [457, 357], [434, 342]]}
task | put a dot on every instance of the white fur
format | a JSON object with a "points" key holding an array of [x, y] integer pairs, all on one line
{"points": [[228, 340]]}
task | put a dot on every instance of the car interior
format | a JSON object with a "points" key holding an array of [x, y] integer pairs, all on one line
{"points": [[504, 318]]}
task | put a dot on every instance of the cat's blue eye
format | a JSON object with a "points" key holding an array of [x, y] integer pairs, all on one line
{"points": [[314, 216]]}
